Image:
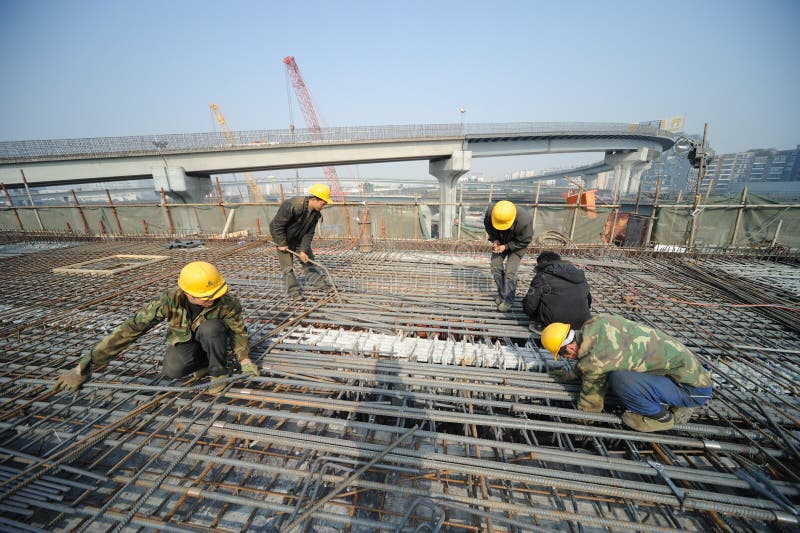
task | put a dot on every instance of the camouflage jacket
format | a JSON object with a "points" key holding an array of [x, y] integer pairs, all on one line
{"points": [[171, 306], [608, 343]]}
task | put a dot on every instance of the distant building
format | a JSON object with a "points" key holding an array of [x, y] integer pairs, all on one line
{"points": [[676, 175], [726, 174], [731, 172]]}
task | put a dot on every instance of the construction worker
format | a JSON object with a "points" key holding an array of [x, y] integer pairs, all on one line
{"points": [[293, 228], [558, 293], [659, 381], [201, 315], [510, 231]]}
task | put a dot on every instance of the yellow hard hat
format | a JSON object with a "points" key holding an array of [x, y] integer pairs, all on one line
{"points": [[503, 214], [202, 280], [556, 335], [321, 191]]}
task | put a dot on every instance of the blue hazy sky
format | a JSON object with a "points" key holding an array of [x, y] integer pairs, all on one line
{"points": [[104, 68]]}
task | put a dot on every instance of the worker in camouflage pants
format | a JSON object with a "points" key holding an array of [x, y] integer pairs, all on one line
{"points": [[659, 380], [201, 316]]}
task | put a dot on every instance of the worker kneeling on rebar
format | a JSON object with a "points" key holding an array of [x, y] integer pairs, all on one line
{"points": [[292, 231], [201, 315], [659, 381]]}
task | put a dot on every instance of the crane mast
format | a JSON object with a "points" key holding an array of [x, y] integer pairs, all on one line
{"points": [[252, 184], [310, 116]]}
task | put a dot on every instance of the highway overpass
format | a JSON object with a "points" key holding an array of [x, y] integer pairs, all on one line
{"points": [[182, 164]]}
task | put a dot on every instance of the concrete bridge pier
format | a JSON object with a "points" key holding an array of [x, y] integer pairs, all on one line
{"points": [[636, 171], [629, 167], [181, 189], [590, 181], [447, 171]]}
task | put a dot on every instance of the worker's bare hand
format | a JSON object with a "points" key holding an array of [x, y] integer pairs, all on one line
{"points": [[303, 257], [283, 248], [499, 249]]}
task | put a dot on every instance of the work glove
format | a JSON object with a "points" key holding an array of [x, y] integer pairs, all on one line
{"points": [[563, 376], [249, 367], [72, 380]]}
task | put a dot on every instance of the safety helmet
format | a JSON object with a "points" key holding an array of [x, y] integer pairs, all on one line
{"points": [[321, 191], [503, 214], [202, 280], [555, 336]]}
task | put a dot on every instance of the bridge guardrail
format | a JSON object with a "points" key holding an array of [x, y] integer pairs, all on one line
{"points": [[98, 147]]}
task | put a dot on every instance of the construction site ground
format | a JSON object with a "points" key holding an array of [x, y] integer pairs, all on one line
{"points": [[403, 396]]}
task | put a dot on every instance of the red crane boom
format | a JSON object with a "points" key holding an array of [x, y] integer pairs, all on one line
{"points": [[312, 121]]}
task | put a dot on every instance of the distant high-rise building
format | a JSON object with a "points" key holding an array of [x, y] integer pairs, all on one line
{"points": [[726, 173], [729, 172]]}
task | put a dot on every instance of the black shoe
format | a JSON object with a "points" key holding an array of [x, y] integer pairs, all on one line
{"points": [[536, 327]]}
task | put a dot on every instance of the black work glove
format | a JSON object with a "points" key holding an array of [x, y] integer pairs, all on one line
{"points": [[563, 376]]}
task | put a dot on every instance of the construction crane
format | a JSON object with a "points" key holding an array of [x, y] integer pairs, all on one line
{"points": [[252, 184], [312, 123]]}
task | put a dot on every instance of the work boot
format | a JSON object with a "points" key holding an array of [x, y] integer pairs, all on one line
{"points": [[497, 299], [535, 327], [647, 424], [295, 295], [504, 307], [200, 373], [682, 415], [216, 387]]}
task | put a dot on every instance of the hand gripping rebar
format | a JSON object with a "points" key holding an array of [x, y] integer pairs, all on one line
{"points": [[323, 267]]}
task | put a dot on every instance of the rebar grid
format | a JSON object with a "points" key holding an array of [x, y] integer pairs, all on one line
{"points": [[416, 340]]}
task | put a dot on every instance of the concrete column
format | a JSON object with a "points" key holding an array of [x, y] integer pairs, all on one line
{"points": [[447, 171], [628, 168], [635, 176], [622, 173], [590, 180], [181, 189]]}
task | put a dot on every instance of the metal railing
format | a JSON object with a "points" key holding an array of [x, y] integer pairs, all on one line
{"points": [[101, 147]]}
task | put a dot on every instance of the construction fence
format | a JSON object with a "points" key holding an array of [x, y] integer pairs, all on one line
{"points": [[721, 224]]}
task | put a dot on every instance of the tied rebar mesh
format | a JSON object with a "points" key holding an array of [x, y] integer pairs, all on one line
{"points": [[415, 340]]}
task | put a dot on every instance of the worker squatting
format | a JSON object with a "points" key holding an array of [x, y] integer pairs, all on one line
{"points": [[658, 380]]}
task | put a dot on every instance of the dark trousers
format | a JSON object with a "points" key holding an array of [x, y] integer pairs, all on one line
{"points": [[207, 349], [648, 394], [505, 278], [314, 276]]}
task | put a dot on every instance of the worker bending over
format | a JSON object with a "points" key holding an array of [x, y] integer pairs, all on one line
{"points": [[510, 231], [558, 293], [201, 316], [293, 228], [658, 380]]}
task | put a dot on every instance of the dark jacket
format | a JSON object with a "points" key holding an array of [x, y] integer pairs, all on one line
{"points": [[294, 224], [558, 293], [517, 237]]}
